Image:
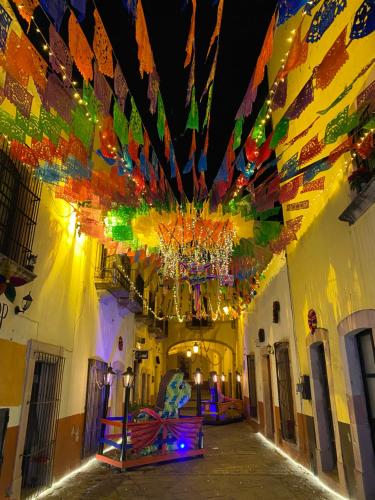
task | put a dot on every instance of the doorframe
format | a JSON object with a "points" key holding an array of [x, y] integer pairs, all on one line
{"points": [[313, 340], [364, 456], [33, 346], [269, 406]]}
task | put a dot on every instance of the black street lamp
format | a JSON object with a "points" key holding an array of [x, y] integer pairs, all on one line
{"points": [[238, 386], [198, 382], [127, 379], [223, 384], [26, 303], [107, 382], [214, 383]]}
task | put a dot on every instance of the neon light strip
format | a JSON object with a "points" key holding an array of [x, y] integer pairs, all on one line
{"points": [[61, 481], [300, 468]]}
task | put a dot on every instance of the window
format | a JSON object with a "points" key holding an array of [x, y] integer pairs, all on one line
{"points": [[19, 204], [284, 383], [252, 386], [367, 357]]}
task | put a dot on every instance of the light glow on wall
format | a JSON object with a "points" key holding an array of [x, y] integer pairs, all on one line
{"points": [[300, 468]]}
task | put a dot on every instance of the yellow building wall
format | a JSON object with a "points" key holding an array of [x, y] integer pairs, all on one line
{"points": [[331, 266]]}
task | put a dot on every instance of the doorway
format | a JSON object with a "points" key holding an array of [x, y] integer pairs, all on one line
{"points": [[252, 386], [43, 413], [94, 407], [366, 350], [269, 421], [284, 383], [322, 408]]}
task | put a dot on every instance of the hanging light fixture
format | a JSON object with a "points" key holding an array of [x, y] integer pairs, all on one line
{"points": [[195, 348], [188, 353]]}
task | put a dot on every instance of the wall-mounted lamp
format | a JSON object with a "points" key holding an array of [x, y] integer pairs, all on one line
{"points": [[226, 310], [26, 303], [222, 377], [270, 349], [238, 377], [188, 353], [214, 378], [195, 348]]}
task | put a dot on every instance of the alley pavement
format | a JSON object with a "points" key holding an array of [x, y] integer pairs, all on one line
{"points": [[237, 465]]}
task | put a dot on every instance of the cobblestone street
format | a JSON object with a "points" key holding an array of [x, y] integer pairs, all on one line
{"points": [[237, 465]]}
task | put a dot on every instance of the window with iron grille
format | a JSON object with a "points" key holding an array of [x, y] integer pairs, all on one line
{"points": [[19, 204]]}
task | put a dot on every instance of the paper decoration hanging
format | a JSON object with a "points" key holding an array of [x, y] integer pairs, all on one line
{"points": [[23, 153], [77, 149], [301, 134], [120, 86], [289, 190], [304, 98], [345, 146], [59, 55], [323, 19], [161, 117], [30, 125], [259, 129], [202, 186], [135, 124], [208, 108], [145, 57], [191, 81], [238, 133], [364, 21], [280, 132], [80, 48], [347, 89], [315, 169], [102, 90], [55, 9], [82, 128], [211, 76], [279, 98], [59, 97], [300, 205], [80, 6], [172, 161], [264, 152], [216, 31], [289, 169], [120, 124], [288, 9], [167, 140], [311, 149], [50, 125], [332, 62], [341, 124], [265, 54], [193, 118], [9, 127], [26, 8], [367, 96], [248, 101], [310, 5], [297, 54], [91, 103], [102, 47], [191, 36], [12, 63], [5, 21], [153, 90], [18, 95], [315, 185]]}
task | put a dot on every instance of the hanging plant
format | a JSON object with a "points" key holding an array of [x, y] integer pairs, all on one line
{"points": [[360, 178]]}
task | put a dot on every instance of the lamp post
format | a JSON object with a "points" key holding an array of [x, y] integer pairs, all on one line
{"points": [[127, 380], [238, 386], [107, 382], [223, 384], [198, 382], [214, 382]]}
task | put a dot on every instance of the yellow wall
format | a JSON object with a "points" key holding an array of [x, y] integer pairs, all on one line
{"points": [[331, 266]]}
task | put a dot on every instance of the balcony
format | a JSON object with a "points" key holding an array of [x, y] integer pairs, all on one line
{"points": [[158, 329]]}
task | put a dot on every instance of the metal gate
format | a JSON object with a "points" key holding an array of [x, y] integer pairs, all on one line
{"points": [[252, 386], [40, 440], [284, 384], [94, 406]]}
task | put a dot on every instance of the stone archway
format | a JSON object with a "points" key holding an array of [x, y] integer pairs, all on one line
{"points": [[364, 456]]}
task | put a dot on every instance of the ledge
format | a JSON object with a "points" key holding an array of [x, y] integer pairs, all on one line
{"points": [[360, 204], [11, 269]]}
